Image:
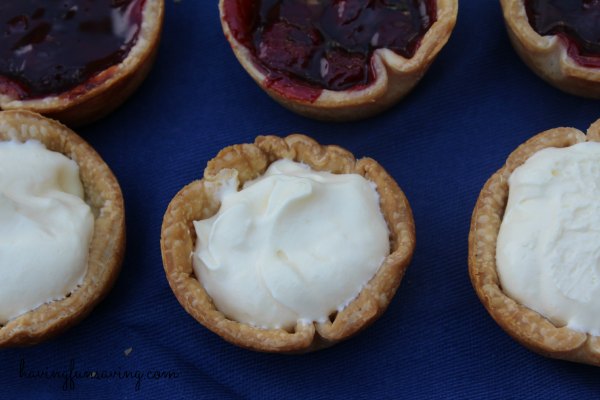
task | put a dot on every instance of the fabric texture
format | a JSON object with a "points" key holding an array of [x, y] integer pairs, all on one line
{"points": [[441, 143]]}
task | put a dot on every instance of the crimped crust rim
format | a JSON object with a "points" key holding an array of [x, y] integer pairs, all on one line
{"points": [[251, 160]]}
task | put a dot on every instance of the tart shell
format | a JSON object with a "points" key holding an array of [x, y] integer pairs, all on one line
{"points": [[107, 90], [524, 325], [103, 195], [198, 200], [547, 56], [395, 75]]}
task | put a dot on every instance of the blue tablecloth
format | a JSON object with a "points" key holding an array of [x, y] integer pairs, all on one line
{"points": [[441, 143]]}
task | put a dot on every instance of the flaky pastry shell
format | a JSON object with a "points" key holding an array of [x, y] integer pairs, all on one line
{"points": [[395, 75], [526, 326], [547, 56], [198, 201], [103, 195], [107, 90]]}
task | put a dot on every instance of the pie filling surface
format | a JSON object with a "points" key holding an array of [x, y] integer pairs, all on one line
{"points": [[51, 46], [305, 46], [577, 22]]}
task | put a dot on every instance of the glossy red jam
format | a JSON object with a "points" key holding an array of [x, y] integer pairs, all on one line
{"points": [[577, 22], [50, 46], [305, 46]]}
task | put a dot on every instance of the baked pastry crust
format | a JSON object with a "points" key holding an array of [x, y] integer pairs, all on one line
{"points": [[395, 75], [526, 326], [103, 195], [198, 200], [547, 56], [104, 92]]}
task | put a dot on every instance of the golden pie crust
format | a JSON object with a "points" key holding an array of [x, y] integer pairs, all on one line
{"points": [[104, 92], [103, 195], [395, 75], [198, 200], [547, 55], [526, 326]]}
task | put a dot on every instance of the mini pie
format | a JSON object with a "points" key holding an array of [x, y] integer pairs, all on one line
{"points": [[390, 75], [556, 58], [198, 201], [103, 195], [91, 91], [526, 326]]}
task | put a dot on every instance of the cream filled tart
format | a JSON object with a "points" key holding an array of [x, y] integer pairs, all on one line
{"points": [[62, 228], [559, 40], [337, 59], [286, 245], [75, 60], [533, 245]]}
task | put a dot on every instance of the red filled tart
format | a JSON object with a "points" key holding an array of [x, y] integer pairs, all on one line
{"points": [[337, 59], [559, 40], [75, 60]]}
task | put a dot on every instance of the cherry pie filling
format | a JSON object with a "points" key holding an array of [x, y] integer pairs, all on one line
{"points": [[305, 46], [576, 22], [48, 47]]}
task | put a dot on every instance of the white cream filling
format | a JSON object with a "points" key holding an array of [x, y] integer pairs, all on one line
{"points": [[295, 245], [548, 249], [45, 227]]}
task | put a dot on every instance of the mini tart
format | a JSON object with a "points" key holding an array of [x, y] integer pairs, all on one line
{"points": [[198, 200], [547, 56], [107, 90], [394, 75], [103, 195], [526, 326]]}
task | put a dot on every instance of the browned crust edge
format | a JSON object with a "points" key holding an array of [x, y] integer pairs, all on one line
{"points": [[547, 55], [105, 92], [396, 75], [103, 194], [197, 201], [524, 325]]}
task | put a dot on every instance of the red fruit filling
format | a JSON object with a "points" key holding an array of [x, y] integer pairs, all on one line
{"points": [[304, 46], [48, 47], [577, 22]]}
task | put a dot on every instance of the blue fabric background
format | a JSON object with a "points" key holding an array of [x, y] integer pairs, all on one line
{"points": [[476, 104]]}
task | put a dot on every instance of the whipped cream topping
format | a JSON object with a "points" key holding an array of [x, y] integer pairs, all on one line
{"points": [[45, 227], [295, 245], [548, 249]]}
